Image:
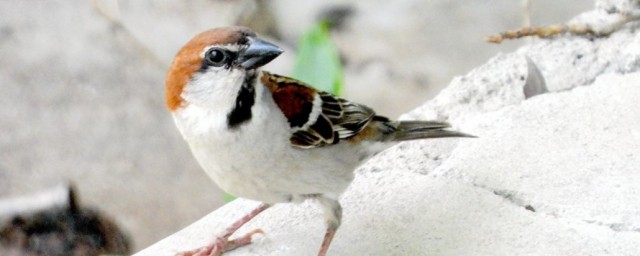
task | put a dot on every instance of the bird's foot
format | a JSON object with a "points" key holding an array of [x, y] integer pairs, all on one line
{"points": [[222, 244]]}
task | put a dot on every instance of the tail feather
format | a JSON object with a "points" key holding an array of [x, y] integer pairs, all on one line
{"points": [[412, 130]]}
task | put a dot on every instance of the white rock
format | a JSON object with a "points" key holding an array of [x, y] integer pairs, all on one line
{"points": [[571, 155], [556, 174]]}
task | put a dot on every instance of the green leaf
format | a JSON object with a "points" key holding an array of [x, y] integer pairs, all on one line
{"points": [[318, 62], [228, 197]]}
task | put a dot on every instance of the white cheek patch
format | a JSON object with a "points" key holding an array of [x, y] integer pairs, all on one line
{"points": [[214, 89]]}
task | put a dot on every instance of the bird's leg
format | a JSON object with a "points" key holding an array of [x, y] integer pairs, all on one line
{"points": [[222, 243], [333, 217]]}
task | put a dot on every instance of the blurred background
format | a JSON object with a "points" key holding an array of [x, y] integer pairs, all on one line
{"points": [[82, 85]]}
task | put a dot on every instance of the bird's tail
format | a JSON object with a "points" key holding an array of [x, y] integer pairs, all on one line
{"points": [[413, 130]]}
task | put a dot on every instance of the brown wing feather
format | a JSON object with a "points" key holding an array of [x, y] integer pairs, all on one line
{"points": [[338, 119]]}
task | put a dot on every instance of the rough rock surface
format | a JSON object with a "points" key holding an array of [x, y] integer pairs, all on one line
{"points": [[554, 174]]}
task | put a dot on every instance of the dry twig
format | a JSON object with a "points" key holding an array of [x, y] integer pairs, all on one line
{"points": [[569, 28]]}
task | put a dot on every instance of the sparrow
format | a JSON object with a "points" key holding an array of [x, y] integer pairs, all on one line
{"points": [[272, 138]]}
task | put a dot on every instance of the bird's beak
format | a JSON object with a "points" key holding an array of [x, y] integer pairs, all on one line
{"points": [[258, 53]]}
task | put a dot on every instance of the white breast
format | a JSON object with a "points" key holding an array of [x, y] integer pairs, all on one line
{"points": [[256, 161]]}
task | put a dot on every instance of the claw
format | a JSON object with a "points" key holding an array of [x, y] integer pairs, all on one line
{"points": [[222, 243]]}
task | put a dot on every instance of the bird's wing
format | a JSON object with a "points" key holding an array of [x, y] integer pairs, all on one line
{"points": [[316, 118]]}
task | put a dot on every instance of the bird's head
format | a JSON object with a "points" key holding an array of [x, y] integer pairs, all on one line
{"points": [[214, 66]]}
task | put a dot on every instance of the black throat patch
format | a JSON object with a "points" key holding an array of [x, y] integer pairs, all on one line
{"points": [[241, 112]]}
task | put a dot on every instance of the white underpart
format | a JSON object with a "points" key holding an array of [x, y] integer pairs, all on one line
{"points": [[255, 160]]}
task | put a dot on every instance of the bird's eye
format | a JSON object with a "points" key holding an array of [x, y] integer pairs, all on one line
{"points": [[216, 57]]}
